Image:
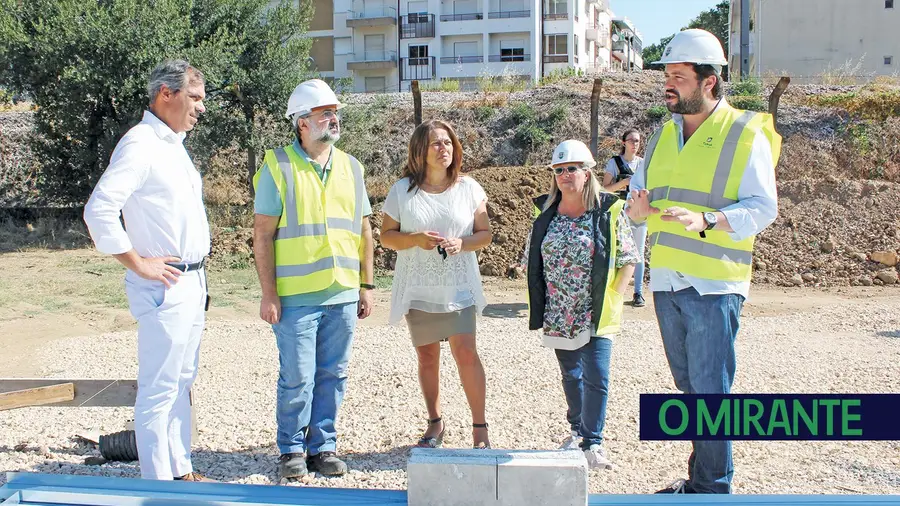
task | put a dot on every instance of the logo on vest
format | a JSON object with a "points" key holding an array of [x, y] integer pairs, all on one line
{"points": [[708, 142]]}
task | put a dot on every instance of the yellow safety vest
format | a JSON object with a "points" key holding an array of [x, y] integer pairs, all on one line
{"points": [[318, 238], [613, 302], [703, 176]]}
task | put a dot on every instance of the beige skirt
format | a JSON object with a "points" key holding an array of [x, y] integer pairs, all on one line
{"points": [[426, 328]]}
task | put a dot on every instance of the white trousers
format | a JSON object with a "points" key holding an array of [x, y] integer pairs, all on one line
{"points": [[170, 323]]}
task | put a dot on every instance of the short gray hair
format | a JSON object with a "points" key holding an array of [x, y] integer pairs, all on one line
{"points": [[175, 74]]}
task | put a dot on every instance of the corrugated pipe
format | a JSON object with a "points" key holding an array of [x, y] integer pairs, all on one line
{"points": [[120, 446]]}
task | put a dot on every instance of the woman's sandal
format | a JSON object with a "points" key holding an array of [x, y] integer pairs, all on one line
{"points": [[482, 445], [432, 442]]}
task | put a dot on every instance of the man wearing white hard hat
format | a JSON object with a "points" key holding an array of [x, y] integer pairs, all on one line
{"points": [[706, 189], [312, 242], [580, 257]]}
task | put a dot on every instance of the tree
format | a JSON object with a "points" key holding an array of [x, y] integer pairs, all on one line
{"points": [[714, 20], [85, 64]]}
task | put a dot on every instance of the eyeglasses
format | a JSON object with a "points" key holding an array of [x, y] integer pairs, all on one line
{"points": [[559, 170], [326, 114]]}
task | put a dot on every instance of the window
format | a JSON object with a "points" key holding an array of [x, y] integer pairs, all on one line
{"points": [[417, 12], [374, 47], [512, 50], [558, 44], [375, 84], [576, 46], [465, 7], [888, 4], [557, 7], [888, 60], [418, 55]]}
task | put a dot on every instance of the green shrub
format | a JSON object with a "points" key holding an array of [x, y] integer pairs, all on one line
{"points": [[748, 88], [657, 112], [531, 135], [483, 112], [556, 115], [523, 113], [749, 103], [440, 85]]}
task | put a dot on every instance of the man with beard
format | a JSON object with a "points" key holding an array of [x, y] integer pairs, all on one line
{"points": [[314, 256], [706, 189]]}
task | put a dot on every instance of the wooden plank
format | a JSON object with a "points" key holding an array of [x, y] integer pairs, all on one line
{"points": [[88, 392], [37, 396]]}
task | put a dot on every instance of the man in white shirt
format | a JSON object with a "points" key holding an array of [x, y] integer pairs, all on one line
{"points": [[706, 188], [152, 182]]}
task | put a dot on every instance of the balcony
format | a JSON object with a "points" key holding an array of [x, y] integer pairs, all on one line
{"points": [[372, 60], [556, 58], [472, 16], [509, 14], [556, 16], [417, 69], [494, 58], [370, 15], [415, 26], [459, 60]]}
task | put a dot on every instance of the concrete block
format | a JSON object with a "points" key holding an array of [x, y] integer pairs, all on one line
{"points": [[446, 477]]}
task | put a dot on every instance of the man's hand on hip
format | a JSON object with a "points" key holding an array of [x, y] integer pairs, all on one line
{"points": [[639, 208], [692, 221], [155, 269], [364, 307], [270, 309]]}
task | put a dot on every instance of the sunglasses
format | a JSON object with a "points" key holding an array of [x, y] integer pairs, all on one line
{"points": [[559, 170]]}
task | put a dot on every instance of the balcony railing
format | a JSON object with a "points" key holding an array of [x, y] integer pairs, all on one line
{"points": [[508, 57], [417, 69], [556, 16], [509, 14], [461, 59], [472, 16], [373, 56], [556, 58], [414, 26], [369, 12]]}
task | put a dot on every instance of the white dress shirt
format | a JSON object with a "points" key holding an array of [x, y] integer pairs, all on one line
{"points": [[756, 209], [154, 184]]}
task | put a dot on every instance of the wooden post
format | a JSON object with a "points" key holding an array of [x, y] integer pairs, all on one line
{"points": [[776, 96], [595, 112], [417, 102]]}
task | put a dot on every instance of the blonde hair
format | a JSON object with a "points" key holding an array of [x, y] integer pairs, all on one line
{"points": [[590, 194]]}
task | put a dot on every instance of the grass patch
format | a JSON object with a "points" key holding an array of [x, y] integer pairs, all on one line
{"points": [[876, 102], [483, 112], [747, 88], [560, 75], [533, 130], [449, 85]]}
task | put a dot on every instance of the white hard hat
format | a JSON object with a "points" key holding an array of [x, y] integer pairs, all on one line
{"points": [[694, 46], [308, 95], [572, 151]]}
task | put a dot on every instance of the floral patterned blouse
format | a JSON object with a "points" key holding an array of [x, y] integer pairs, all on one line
{"points": [[567, 250]]}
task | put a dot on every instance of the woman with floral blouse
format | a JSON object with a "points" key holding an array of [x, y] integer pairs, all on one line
{"points": [[581, 255]]}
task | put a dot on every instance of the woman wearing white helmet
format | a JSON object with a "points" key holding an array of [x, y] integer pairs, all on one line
{"points": [[581, 255]]}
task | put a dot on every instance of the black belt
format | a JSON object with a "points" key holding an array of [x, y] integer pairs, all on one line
{"points": [[184, 267]]}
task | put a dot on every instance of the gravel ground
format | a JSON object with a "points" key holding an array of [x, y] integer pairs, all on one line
{"points": [[852, 346]]}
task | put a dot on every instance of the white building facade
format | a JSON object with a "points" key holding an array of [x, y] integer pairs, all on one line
{"points": [[382, 45]]}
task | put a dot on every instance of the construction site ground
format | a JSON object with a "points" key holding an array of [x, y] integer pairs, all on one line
{"points": [[63, 315]]}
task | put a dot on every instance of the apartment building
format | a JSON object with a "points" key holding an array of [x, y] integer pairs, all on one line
{"points": [[383, 45], [804, 38]]}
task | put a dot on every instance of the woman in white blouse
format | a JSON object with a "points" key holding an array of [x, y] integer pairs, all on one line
{"points": [[436, 220]]}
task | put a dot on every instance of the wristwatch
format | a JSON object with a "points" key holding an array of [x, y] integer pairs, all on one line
{"points": [[711, 220], [367, 286]]}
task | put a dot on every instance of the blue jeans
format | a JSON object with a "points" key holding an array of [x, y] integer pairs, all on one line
{"points": [[640, 239], [585, 380], [698, 333], [313, 354]]}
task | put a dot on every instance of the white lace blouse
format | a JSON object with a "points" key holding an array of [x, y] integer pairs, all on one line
{"points": [[423, 279]]}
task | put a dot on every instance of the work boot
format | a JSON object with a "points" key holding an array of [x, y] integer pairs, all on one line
{"points": [[292, 465], [327, 464], [638, 301], [596, 458]]}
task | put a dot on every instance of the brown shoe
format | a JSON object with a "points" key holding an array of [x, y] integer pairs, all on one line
{"points": [[194, 476]]}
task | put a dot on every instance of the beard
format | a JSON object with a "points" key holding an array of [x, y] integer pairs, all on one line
{"points": [[690, 105], [328, 135]]}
